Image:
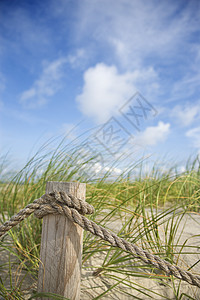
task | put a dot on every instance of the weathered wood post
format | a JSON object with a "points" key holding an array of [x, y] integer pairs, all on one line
{"points": [[61, 248]]}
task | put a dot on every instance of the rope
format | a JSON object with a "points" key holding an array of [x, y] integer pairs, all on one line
{"points": [[75, 209]]}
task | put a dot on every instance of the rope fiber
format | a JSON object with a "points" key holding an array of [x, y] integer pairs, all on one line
{"points": [[75, 209]]}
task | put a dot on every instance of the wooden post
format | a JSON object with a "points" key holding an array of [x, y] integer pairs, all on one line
{"points": [[61, 248]]}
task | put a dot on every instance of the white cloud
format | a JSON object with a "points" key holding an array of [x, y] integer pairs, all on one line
{"points": [[77, 59], [105, 90], [98, 168], [136, 34], [194, 134], [114, 171], [46, 86], [153, 135], [187, 114], [187, 87], [182, 169], [138, 29]]}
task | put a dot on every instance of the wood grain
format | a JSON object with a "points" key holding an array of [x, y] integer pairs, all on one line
{"points": [[61, 248]]}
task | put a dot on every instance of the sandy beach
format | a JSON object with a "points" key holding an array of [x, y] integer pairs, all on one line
{"points": [[188, 233]]}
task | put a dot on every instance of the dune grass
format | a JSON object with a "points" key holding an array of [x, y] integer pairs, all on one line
{"points": [[147, 210]]}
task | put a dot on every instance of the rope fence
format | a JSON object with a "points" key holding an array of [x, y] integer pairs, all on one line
{"points": [[61, 203]]}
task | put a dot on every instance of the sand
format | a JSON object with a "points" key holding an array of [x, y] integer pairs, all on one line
{"points": [[92, 286], [190, 229]]}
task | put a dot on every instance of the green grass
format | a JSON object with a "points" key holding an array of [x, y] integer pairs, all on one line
{"points": [[148, 210]]}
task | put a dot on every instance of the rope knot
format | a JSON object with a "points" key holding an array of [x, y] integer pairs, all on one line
{"points": [[61, 203], [74, 209]]}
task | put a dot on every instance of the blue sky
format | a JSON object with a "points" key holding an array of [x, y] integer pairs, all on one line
{"points": [[64, 62]]}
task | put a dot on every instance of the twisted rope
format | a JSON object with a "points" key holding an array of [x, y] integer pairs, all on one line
{"points": [[75, 209]]}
